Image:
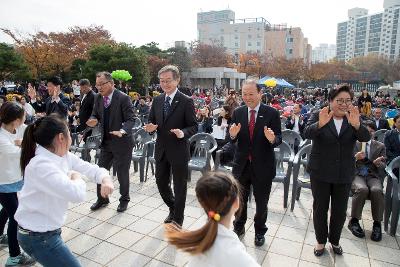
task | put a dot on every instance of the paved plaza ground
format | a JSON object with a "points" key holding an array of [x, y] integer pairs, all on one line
{"points": [[135, 238]]}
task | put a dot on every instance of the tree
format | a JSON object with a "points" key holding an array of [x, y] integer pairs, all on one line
{"points": [[120, 56], [155, 63], [53, 53], [151, 49], [205, 55], [12, 65], [179, 56]]}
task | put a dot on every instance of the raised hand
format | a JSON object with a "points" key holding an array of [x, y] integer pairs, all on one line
{"points": [[234, 129], [31, 92], [354, 117], [269, 134], [150, 127], [324, 117], [116, 133]]}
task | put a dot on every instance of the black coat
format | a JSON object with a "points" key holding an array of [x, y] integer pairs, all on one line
{"points": [[181, 116], [121, 117], [332, 159], [392, 144], [262, 151], [86, 110], [53, 107], [383, 124]]}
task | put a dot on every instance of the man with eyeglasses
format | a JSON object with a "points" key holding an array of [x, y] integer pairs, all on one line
{"points": [[113, 111], [173, 116]]}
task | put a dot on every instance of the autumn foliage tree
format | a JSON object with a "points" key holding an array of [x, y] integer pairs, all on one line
{"points": [[205, 55], [54, 52]]}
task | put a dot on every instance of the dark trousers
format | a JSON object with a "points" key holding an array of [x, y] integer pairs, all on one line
{"points": [[261, 192], [3, 220], [176, 200], [122, 162], [338, 195], [9, 201], [362, 188]]}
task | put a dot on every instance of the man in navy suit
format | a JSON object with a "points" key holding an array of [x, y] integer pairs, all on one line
{"points": [[173, 116], [256, 128], [392, 142]]}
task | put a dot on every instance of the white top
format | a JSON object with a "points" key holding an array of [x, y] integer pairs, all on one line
{"points": [[338, 124], [227, 250], [43, 200], [296, 124], [29, 109], [10, 155], [77, 90]]}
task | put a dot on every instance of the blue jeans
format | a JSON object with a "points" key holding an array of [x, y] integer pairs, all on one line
{"points": [[47, 248]]}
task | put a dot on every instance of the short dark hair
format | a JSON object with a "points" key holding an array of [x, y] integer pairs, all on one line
{"points": [[55, 80], [370, 124], [396, 118], [84, 82], [341, 88]]}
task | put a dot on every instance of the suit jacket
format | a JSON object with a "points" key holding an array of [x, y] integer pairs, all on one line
{"points": [[377, 149], [290, 125], [86, 110], [262, 151], [332, 159], [383, 124], [52, 107], [121, 117], [392, 144], [181, 116]]}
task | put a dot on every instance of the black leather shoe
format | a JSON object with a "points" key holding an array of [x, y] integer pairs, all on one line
{"points": [[99, 204], [376, 234], [259, 240], [239, 232], [169, 218], [122, 206], [337, 249], [319, 252], [355, 228]]}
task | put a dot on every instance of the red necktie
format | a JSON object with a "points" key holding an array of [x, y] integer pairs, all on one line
{"points": [[252, 123], [251, 127]]}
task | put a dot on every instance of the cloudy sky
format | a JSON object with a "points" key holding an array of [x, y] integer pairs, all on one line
{"points": [[140, 22]]}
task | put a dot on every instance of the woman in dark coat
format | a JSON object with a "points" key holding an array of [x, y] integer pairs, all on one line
{"points": [[334, 131]]}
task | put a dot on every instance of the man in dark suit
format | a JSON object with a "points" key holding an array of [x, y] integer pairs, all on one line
{"points": [[392, 140], [87, 101], [113, 110], [173, 116], [370, 172], [379, 122], [55, 103], [256, 128]]}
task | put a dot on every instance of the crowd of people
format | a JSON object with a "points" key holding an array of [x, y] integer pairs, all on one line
{"points": [[36, 133]]}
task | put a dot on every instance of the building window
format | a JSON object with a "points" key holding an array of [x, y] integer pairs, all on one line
{"points": [[290, 51], [248, 43], [258, 43], [236, 44], [249, 36], [236, 37]]}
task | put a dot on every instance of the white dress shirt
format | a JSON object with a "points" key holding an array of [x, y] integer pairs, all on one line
{"points": [[47, 189], [296, 124], [227, 250], [171, 96], [256, 114], [10, 155], [338, 124]]}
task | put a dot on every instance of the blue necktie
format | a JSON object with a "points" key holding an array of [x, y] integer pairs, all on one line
{"points": [[167, 106]]}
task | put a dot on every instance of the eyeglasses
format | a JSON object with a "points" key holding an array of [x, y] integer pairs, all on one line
{"points": [[342, 101], [100, 85], [166, 81]]}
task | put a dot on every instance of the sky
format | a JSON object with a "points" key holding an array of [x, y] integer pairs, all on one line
{"points": [[140, 22]]}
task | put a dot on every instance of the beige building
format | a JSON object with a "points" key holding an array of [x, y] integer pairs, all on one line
{"points": [[253, 35], [281, 41]]}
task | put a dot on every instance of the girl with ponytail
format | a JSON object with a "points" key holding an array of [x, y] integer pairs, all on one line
{"points": [[52, 179], [214, 244]]}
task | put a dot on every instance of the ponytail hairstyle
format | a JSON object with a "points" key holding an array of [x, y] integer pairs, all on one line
{"points": [[10, 111], [216, 192], [41, 132]]}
